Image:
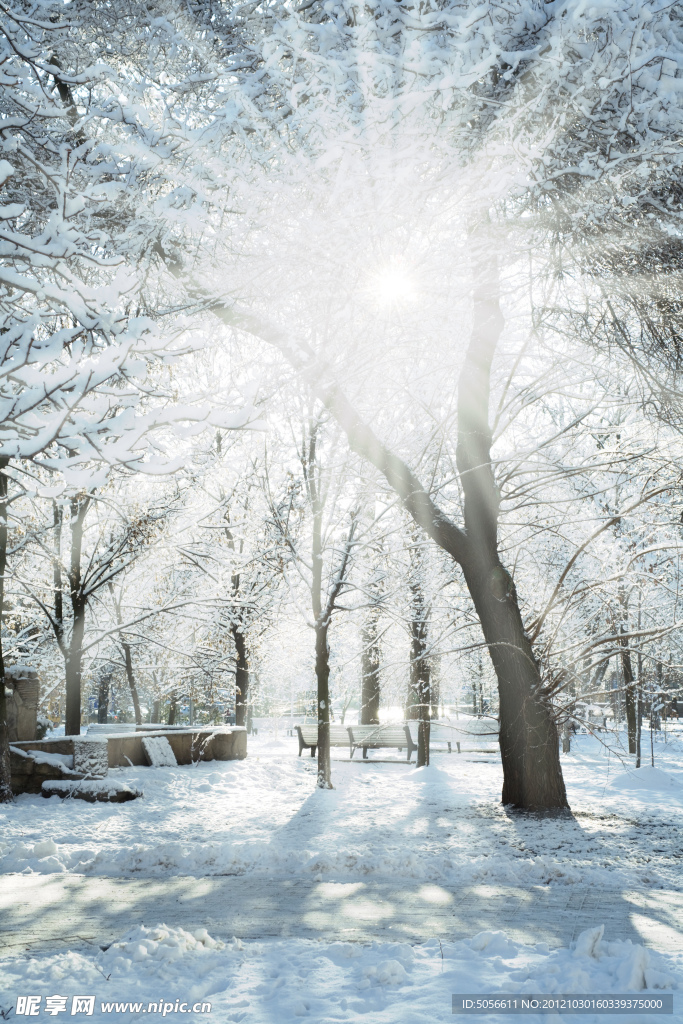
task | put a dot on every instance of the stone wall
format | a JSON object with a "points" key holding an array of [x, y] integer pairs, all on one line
{"points": [[29, 773], [189, 745]]}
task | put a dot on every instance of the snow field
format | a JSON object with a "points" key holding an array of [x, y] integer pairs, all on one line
{"points": [[294, 979], [442, 824]]}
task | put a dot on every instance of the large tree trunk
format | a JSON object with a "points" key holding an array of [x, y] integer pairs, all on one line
{"points": [[532, 775], [103, 698], [434, 687], [639, 692], [322, 672], [241, 674], [57, 584], [131, 681], [630, 696], [419, 697], [529, 745], [5, 770], [127, 657], [72, 665], [74, 649], [370, 669]]}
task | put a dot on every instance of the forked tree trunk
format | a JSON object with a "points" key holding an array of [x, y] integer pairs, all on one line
{"points": [[5, 768], [532, 775], [322, 672], [529, 745], [241, 674]]}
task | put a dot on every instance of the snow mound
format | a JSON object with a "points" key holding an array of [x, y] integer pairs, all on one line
{"points": [[618, 966], [646, 777], [162, 944]]}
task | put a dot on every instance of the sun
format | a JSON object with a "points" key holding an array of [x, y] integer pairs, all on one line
{"points": [[392, 285]]}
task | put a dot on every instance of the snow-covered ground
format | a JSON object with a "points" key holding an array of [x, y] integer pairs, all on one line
{"points": [[443, 823], [381, 983]]}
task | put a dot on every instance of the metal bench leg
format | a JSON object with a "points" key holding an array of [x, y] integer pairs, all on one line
{"points": [[312, 751], [449, 747], [457, 745], [365, 752]]}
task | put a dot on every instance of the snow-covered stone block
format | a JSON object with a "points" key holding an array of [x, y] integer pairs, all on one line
{"points": [[92, 790], [91, 756], [158, 752]]}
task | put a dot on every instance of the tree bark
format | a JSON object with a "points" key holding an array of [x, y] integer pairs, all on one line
{"points": [[322, 672], [639, 692], [419, 697], [321, 615], [370, 669], [238, 639], [434, 687], [127, 657], [130, 676], [103, 698], [419, 694], [57, 583], [241, 674], [630, 696], [172, 708], [74, 650], [5, 769]]}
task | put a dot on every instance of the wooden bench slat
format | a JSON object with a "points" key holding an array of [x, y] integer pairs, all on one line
{"points": [[308, 737], [369, 737], [377, 737]]}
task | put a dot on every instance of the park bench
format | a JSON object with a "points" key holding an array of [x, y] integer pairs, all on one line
{"points": [[375, 737], [475, 730], [442, 734], [308, 737]]}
